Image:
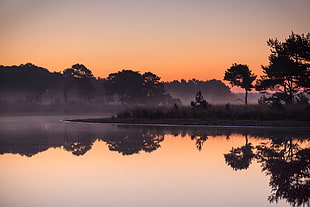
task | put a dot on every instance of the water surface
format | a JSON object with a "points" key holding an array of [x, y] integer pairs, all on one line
{"points": [[47, 162]]}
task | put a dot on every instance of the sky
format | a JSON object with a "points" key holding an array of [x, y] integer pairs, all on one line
{"points": [[175, 39]]}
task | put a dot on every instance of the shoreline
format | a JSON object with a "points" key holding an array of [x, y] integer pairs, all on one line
{"points": [[197, 122]]}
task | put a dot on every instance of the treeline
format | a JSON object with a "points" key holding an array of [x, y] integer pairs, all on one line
{"points": [[28, 84], [27, 88], [286, 81], [285, 85]]}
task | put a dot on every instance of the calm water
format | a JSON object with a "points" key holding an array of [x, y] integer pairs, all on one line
{"points": [[47, 162]]}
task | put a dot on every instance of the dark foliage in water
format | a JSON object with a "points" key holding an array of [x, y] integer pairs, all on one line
{"points": [[289, 168], [240, 158]]}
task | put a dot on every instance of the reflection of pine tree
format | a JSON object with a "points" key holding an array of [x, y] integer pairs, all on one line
{"points": [[200, 140], [240, 158], [289, 167]]}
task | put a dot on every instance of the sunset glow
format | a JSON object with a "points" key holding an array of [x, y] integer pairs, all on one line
{"points": [[174, 39]]}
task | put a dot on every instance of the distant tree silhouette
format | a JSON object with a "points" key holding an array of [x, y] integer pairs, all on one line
{"points": [[199, 102], [78, 71], [79, 75], [27, 81], [133, 88], [28, 85], [154, 89], [288, 72], [240, 75], [127, 84]]}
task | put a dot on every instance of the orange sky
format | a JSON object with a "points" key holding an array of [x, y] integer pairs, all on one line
{"points": [[173, 38]]}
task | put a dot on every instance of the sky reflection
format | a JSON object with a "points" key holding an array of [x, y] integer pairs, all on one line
{"points": [[174, 171]]}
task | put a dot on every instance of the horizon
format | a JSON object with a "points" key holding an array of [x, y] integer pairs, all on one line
{"points": [[173, 39]]}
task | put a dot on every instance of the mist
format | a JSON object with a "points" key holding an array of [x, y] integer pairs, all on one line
{"points": [[28, 88]]}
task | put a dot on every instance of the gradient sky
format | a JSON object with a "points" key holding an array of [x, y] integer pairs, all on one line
{"points": [[173, 38]]}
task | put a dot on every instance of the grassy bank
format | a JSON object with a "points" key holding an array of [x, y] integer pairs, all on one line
{"points": [[221, 112], [228, 115], [183, 122]]}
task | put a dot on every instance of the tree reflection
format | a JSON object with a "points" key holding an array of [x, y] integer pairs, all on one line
{"points": [[134, 143], [240, 158], [79, 147], [78, 144], [200, 140], [289, 169]]}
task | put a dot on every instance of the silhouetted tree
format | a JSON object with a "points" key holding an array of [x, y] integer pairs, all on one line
{"points": [[288, 72], [80, 76], [127, 84], [78, 71], [154, 89], [26, 81], [133, 88], [240, 75], [199, 102]]}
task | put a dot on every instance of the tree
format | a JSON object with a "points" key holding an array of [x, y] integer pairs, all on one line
{"points": [[199, 102], [81, 76], [154, 89], [78, 71], [240, 75], [127, 84], [131, 87], [288, 72], [26, 81]]}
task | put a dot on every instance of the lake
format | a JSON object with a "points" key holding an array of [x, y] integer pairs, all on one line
{"points": [[48, 162]]}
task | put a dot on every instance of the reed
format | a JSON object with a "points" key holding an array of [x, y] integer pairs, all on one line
{"points": [[220, 112]]}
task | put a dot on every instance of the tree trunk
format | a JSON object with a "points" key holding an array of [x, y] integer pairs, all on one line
{"points": [[246, 140], [246, 97], [66, 93]]}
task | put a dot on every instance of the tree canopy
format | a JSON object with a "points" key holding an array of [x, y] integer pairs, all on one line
{"points": [[81, 77], [131, 87], [288, 72], [241, 76]]}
